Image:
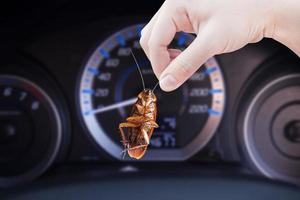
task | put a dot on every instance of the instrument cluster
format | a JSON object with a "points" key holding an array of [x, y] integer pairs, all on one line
{"points": [[63, 94], [109, 84]]}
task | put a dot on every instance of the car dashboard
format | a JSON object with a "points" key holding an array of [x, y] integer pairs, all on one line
{"points": [[68, 78]]}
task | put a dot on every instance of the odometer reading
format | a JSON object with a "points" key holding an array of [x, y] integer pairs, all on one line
{"points": [[109, 84]]}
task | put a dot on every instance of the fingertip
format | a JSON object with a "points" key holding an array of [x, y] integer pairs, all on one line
{"points": [[185, 64], [168, 83]]}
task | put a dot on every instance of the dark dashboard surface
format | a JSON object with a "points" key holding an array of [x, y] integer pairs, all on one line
{"points": [[63, 63]]}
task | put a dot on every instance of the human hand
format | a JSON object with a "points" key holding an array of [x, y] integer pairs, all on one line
{"points": [[221, 27]]}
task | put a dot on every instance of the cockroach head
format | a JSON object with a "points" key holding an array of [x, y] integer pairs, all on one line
{"points": [[147, 94]]}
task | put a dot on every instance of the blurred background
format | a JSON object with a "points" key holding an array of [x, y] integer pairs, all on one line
{"points": [[67, 79]]}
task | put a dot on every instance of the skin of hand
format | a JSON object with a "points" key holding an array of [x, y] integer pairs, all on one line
{"points": [[221, 27]]}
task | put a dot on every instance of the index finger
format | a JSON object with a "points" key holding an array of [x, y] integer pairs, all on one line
{"points": [[162, 35]]}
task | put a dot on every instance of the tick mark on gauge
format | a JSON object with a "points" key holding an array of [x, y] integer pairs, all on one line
{"points": [[214, 91], [121, 40], [104, 53], [93, 71], [213, 112], [88, 91], [210, 70]]}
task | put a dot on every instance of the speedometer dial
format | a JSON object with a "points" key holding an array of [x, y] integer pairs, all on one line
{"points": [[110, 82]]}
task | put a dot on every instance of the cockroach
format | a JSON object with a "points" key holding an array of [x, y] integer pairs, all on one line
{"points": [[141, 122]]}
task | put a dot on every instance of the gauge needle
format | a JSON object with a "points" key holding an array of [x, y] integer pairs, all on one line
{"points": [[115, 106]]}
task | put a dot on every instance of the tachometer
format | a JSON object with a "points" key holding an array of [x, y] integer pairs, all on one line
{"points": [[31, 130], [110, 82]]}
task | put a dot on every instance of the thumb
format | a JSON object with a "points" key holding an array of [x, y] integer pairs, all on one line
{"points": [[186, 63]]}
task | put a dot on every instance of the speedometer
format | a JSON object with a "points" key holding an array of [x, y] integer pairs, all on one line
{"points": [[110, 82]]}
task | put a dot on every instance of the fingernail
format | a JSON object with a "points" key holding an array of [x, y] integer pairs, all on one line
{"points": [[168, 83]]}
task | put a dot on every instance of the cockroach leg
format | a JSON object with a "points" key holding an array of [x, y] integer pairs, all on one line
{"points": [[123, 153], [144, 103], [124, 140], [126, 147], [140, 108], [152, 123], [126, 125], [145, 136], [135, 119]]}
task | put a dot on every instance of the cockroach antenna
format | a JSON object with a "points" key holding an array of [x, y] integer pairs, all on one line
{"points": [[123, 153], [155, 86], [140, 71]]}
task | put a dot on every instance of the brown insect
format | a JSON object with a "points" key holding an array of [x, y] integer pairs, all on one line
{"points": [[141, 123]]}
